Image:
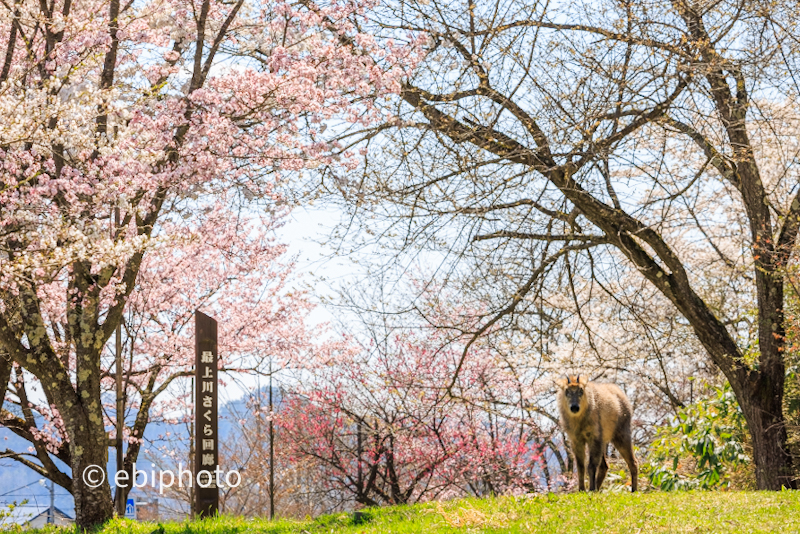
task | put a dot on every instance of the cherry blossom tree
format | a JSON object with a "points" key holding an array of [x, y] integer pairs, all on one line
{"points": [[236, 273], [381, 426], [137, 107], [298, 486], [225, 266]]}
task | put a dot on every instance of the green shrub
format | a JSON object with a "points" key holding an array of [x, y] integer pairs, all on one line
{"points": [[703, 447], [791, 407], [7, 510]]}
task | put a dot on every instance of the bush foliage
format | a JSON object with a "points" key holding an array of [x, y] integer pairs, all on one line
{"points": [[705, 446]]}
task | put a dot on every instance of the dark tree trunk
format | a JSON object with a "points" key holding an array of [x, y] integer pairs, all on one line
{"points": [[762, 406], [5, 375], [761, 397], [93, 505]]}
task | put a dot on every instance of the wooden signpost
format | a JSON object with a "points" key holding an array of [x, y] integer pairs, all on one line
{"points": [[206, 447]]}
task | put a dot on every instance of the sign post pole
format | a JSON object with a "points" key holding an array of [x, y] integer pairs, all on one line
{"points": [[206, 449]]}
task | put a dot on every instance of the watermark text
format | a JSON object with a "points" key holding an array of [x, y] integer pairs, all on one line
{"points": [[94, 476]]}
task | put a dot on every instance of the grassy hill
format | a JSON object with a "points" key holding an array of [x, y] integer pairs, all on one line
{"points": [[739, 512]]}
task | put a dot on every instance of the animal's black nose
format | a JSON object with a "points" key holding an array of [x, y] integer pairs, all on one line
{"points": [[574, 409]]}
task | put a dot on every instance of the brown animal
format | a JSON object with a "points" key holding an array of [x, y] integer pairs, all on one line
{"points": [[594, 414]]}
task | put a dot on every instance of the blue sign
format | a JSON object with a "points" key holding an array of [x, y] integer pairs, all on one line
{"points": [[130, 509]]}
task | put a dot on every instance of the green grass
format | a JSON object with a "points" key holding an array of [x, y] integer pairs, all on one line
{"points": [[739, 512]]}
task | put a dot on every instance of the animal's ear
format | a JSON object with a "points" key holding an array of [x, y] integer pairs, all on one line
{"points": [[561, 382], [583, 380]]}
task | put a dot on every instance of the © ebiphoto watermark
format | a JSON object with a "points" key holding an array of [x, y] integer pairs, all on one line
{"points": [[95, 475]]}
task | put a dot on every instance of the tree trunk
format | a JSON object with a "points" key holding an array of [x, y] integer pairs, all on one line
{"points": [[5, 375], [762, 407], [93, 505]]}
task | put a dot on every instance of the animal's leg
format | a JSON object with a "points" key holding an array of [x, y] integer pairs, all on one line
{"points": [[602, 469], [595, 457], [625, 448], [579, 450]]}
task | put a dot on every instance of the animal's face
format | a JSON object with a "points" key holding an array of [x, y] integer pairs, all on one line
{"points": [[574, 388]]}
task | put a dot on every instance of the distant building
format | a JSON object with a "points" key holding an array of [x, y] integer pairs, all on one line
{"points": [[34, 516]]}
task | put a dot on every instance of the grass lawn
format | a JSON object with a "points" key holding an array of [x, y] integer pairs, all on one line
{"points": [[738, 512]]}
